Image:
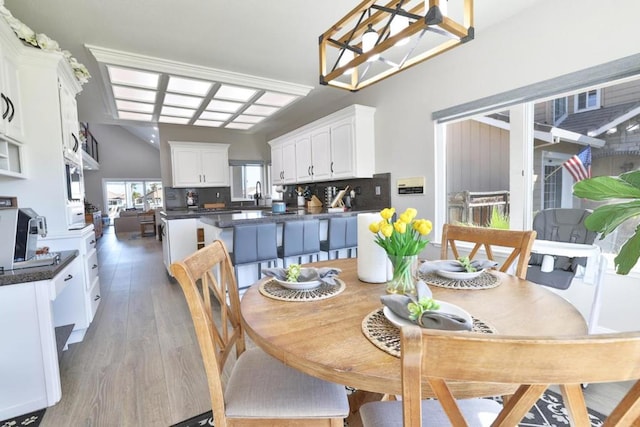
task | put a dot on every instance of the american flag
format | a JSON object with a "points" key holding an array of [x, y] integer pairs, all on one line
{"points": [[579, 166]]}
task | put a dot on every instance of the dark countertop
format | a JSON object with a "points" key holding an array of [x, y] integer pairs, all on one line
{"points": [[34, 274]]}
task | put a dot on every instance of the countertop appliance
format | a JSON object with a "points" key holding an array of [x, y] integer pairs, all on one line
{"points": [[29, 225], [8, 220], [192, 199]]}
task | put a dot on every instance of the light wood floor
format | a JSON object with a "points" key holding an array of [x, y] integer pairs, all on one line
{"points": [[139, 363]]}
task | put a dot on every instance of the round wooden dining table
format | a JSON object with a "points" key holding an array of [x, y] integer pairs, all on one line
{"points": [[324, 338]]}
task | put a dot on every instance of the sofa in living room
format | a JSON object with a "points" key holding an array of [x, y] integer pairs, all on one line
{"points": [[127, 221]]}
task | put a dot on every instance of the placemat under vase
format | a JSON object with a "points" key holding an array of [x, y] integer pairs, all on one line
{"points": [[386, 336], [273, 289], [484, 281]]}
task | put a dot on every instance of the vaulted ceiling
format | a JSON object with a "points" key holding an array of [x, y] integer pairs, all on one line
{"points": [[272, 40]]}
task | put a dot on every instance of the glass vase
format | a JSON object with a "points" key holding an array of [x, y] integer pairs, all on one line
{"points": [[404, 275]]}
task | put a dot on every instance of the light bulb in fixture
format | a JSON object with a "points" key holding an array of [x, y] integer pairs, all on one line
{"points": [[369, 40], [347, 56], [399, 23]]}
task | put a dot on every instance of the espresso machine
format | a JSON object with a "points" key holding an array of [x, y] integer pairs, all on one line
{"points": [[20, 227]]}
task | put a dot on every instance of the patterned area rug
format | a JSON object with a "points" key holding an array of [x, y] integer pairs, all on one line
{"points": [[32, 420], [548, 412]]}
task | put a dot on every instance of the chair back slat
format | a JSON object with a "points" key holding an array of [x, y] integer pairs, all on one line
{"points": [[209, 285], [520, 243], [530, 363]]}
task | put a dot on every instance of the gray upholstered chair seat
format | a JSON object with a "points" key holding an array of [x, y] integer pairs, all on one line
{"points": [[478, 412], [263, 387], [559, 279]]}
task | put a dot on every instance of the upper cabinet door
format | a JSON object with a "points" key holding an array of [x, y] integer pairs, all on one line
{"points": [[321, 154], [277, 170], [215, 167], [11, 90], [342, 149], [289, 162], [186, 170], [304, 162]]}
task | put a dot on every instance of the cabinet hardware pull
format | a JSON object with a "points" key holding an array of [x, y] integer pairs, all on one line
{"points": [[69, 277], [204, 178], [94, 266], [311, 169], [6, 102], [92, 242], [97, 298], [75, 145], [331, 167], [13, 109]]}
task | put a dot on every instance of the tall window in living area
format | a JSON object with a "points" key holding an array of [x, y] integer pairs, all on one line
{"points": [[132, 194], [588, 100], [559, 110]]}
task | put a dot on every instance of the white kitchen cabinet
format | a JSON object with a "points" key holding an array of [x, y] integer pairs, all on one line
{"points": [[71, 146], [313, 155], [283, 163], [29, 369], [196, 164], [12, 103], [11, 159], [179, 239], [88, 299], [338, 146]]}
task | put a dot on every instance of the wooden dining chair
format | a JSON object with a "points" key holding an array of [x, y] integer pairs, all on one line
{"points": [[520, 243], [260, 390], [531, 364]]}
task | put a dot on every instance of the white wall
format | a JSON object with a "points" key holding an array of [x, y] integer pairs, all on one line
{"points": [[122, 156]]}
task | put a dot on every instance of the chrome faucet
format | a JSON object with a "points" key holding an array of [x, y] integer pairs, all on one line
{"points": [[258, 195]]}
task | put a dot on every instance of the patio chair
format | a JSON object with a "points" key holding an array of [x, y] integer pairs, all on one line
{"points": [[260, 390], [523, 362], [519, 241], [559, 225]]}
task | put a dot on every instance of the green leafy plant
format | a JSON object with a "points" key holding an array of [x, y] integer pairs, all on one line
{"points": [[499, 220], [423, 304], [466, 263], [607, 218], [293, 272]]}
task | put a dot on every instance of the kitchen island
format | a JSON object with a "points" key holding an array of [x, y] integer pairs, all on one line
{"points": [[181, 236]]}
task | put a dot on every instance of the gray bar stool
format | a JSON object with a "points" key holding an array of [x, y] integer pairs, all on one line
{"points": [[254, 244], [300, 238], [342, 233]]}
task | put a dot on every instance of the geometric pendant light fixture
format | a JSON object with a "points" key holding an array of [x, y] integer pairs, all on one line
{"points": [[379, 38]]}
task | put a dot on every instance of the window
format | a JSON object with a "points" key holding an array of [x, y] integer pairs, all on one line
{"points": [[559, 110], [589, 100], [245, 177], [133, 194]]}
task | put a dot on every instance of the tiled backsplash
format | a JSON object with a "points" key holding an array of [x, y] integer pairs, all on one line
{"points": [[370, 193]]}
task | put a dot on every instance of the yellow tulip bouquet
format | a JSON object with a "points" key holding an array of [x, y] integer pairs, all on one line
{"points": [[402, 240]]}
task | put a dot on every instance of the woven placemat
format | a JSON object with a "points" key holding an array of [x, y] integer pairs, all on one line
{"points": [[484, 281], [386, 336], [272, 289]]}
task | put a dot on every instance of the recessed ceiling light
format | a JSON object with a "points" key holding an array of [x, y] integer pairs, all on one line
{"points": [[234, 93], [243, 118], [210, 123], [127, 115], [239, 125], [275, 98], [261, 110], [210, 115], [176, 120], [175, 111], [121, 92], [226, 106], [188, 86], [182, 100], [134, 106], [130, 77]]}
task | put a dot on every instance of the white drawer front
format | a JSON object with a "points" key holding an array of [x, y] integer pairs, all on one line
{"points": [[92, 269], [64, 278], [94, 299], [90, 242]]}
